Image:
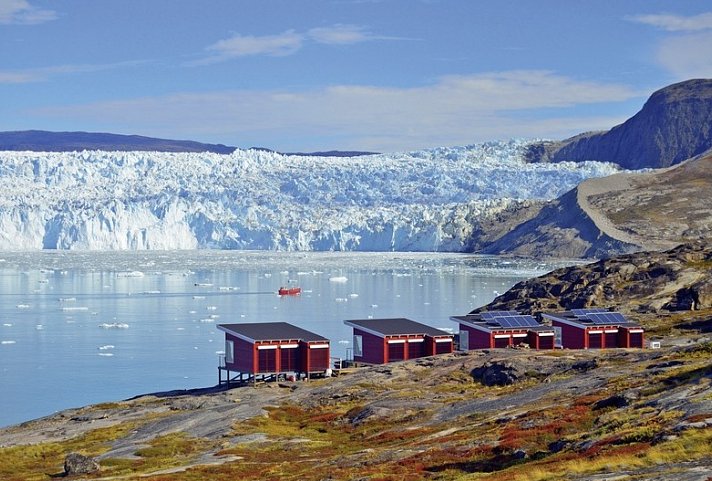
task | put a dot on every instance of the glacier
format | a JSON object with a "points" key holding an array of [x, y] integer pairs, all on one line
{"points": [[426, 200]]}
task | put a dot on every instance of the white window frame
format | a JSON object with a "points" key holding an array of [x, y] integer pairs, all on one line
{"points": [[229, 351], [358, 345]]}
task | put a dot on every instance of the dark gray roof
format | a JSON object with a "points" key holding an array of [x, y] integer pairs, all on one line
{"points": [[590, 318], [493, 325], [271, 331], [395, 327]]}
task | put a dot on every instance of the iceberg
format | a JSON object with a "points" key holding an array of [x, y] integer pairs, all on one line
{"points": [[425, 200]]}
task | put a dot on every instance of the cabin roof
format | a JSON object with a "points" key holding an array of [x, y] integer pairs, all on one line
{"points": [[502, 320], [395, 327], [592, 317], [270, 331]]}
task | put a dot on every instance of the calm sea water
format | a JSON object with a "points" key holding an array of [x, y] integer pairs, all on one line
{"points": [[79, 328]]}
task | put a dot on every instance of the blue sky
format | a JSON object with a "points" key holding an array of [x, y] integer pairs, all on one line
{"points": [[384, 75]]}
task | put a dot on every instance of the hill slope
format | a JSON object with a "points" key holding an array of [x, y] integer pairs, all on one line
{"points": [[621, 213], [673, 125]]}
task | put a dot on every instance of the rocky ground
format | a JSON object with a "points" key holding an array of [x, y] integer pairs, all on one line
{"points": [[654, 285], [504, 414]]}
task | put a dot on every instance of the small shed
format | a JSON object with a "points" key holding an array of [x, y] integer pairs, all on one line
{"points": [[595, 329], [379, 341], [269, 349], [495, 329]]}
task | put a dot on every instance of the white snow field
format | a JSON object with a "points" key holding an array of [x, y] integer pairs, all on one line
{"points": [[417, 201]]}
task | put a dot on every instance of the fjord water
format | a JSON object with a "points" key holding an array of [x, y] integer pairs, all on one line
{"points": [[86, 327]]}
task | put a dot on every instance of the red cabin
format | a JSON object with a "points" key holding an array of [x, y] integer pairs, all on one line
{"points": [[595, 329], [496, 329], [271, 349], [379, 341]]}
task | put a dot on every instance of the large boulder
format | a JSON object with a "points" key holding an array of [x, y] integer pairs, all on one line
{"points": [[497, 373], [76, 463]]}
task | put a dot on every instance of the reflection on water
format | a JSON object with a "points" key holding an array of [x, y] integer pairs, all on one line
{"points": [[80, 328]]}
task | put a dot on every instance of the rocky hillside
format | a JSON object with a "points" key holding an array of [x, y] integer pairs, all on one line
{"points": [[673, 125], [618, 214], [654, 283]]}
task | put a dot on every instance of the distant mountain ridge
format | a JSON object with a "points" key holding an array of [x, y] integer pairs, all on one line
{"points": [[45, 141], [675, 124]]}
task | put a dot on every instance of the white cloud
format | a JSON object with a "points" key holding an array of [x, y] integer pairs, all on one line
{"points": [[676, 23], [285, 43], [454, 110], [685, 53], [687, 56], [22, 13], [43, 74], [341, 34]]}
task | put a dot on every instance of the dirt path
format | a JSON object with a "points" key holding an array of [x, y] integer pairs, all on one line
{"points": [[604, 185]]}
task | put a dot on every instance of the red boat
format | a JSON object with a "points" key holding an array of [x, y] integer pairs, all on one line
{"points": [[289, 291]]}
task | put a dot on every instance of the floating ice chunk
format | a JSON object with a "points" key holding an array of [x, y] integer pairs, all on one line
{"points": [[106, 354], [228, 288], [374, 305], [353, 296], [191, 312], [339, 279], [75, 308], [67, 299], [207, 319], [39, 327], [7, 342], [180, 329], [23, 306], [151, 292], [130, 274], [211, 308], [7, 324], [114, 325], [106, 347], [341, 299], [214, 316]]}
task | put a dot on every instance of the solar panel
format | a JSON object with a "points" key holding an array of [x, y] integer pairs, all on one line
{"points": [[491, 315], [586, 312], [528, 321], [606, 318], [516, 321]]}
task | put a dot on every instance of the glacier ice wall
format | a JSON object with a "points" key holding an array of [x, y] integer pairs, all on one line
{"points": [[418, 201]]}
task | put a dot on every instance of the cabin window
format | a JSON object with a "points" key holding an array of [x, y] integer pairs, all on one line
{"points": [[229, 351], [358, 345]]}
